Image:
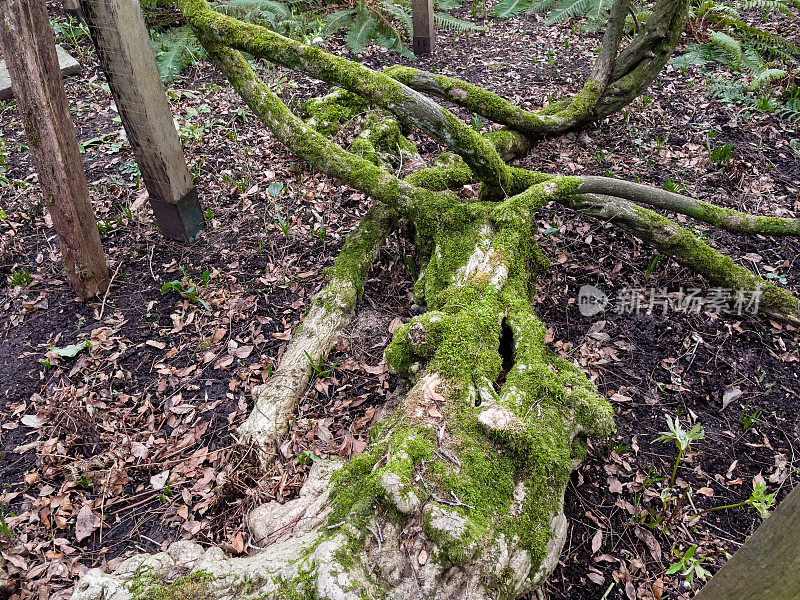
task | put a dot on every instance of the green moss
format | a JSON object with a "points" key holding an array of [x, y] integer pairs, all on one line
{"points": [[146, 586], [718, 268], [329, 113], [735, 220], [302, 587]]}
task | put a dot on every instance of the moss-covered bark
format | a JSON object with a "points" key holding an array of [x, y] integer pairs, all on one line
{"points": [[459, 493]]}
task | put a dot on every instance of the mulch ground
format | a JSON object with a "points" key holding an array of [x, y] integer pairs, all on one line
{"points": [[130, 444]]}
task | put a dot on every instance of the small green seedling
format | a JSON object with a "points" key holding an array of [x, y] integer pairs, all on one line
{"points": [[319, 368], [21, 277], [682, 438], [689, 565], [759, 500], [165, 494], [748, 420], [675, 187], [4, 528], [188, 289]]}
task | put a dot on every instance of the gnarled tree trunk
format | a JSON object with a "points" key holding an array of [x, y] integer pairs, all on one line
{"points": [[459, 493]]}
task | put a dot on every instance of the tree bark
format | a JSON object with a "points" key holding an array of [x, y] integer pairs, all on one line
{"points": [[123, 45], [29, 50]]}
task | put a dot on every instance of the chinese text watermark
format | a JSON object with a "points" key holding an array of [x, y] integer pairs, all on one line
{"points": [[641, 300]]}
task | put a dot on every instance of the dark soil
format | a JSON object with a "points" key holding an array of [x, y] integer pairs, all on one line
{"points": [[167, 378]]}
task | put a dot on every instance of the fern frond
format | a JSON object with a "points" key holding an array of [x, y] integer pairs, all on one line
{"points": [[732, 54], [509, 8], [768, 5], [174, 49], [401, 13], [339, 20], [596, 10], [361, 31], [765, 77], [568, 9], [446, 21], [540, 6]]}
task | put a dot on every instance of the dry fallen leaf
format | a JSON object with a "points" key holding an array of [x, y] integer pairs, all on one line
{"points": [[729, 395], [429, 387], [422, 557], [658, 588], [706, 491], [597, 541], [85, 523], [159, 481], [596, 578]]}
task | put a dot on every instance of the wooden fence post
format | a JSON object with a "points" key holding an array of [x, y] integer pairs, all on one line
{"points": [[424, 31], [30, 54], [118, 30], [767, 566]]}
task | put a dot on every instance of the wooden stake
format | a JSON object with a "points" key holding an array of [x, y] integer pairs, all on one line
{"points": [[767, 566], [424, 31], [30, 54], [120, 37]]}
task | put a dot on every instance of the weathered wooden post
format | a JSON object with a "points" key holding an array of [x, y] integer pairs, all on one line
{"points": [[30, 55], [424, 31], [767, 566], [120, 37]]}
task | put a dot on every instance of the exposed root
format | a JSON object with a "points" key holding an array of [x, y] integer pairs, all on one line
{"points": [[686, 248], [331, 311], [459, 495], [724, 218]]}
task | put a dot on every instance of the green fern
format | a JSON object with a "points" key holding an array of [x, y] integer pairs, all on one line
{"points": [[174, 49], [386, 23], [445, 21], [766, 77], [509, 8]]}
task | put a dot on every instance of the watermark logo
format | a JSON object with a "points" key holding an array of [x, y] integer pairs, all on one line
{"points": [[591, 300], [639, 300]]}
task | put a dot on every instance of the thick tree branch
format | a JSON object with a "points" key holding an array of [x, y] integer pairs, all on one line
{"points": [[642, 60], [408, 105], [725, 218], [673, 240]]}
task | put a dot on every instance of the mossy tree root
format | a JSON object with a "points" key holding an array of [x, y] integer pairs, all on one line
{"points": [[459, 495], [331, 312], [685, 247]]}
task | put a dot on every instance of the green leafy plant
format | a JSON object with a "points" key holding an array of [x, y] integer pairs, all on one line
{"points": [[760, 62], [20, 277], [748, 420], [673, 186], [4, 528], [759, 500], [188, 289], [71, 31], [690, 566], [319, 368], [594, 11], [165, 494], [682, 438]]}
